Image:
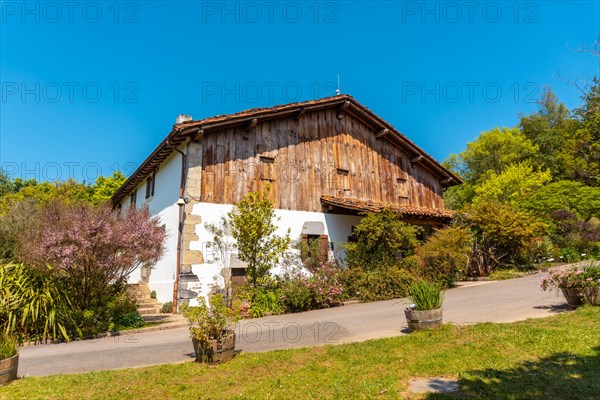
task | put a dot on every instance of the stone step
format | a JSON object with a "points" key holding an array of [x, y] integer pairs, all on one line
{"points": [[149, 310]]}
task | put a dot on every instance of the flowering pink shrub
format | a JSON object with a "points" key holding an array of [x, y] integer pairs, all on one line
{"points": [[322, 289], [325, 286], [571, 278], [90, 248]]}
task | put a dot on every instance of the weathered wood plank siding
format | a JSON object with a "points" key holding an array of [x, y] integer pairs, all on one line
{"points": [[314, 155]]}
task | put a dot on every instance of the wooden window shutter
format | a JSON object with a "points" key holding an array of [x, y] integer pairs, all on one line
{"points": [[324, 246], [402, 188]]}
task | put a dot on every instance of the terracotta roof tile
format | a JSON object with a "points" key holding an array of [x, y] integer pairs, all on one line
{"points": [[371, 206]]}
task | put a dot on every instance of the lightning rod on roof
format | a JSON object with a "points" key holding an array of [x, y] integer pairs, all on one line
{"points": [[338, 91]]}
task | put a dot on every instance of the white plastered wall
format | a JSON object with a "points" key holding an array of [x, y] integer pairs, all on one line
{"points": [[337, 227]]}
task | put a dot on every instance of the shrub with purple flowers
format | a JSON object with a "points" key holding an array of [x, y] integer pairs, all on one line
{"points": [[322, 289], [325, 286]]}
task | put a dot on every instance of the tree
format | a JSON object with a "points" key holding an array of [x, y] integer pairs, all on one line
{"points": [[516, 182], [105, 187], [549, 128], [571, 196], [6, 185], [253, 227], [492, 151], [90, 248], [98, 193], [504, 232], [382, 240]]}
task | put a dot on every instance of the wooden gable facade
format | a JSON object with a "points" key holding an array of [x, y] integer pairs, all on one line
{"points": [[330, 155], [306, 158]]}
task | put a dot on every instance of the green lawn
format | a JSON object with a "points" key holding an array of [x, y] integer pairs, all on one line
{"points": [[550, 358]]}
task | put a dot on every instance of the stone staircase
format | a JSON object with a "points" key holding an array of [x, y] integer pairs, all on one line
{"points": [[141, 293]]}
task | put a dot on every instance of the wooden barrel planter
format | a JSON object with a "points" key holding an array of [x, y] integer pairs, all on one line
{"points": [[218, 352], [419, 320], [572, 296], [591, 296], [8, 369]]}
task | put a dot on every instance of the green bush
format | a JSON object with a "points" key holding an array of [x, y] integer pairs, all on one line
{"points": [[8, 345], [266, 301], [381, 284], [446, 254], [592, 272], [130, 320], [310, 254], [167, 308], [382, 240], [153, 294], [426, 295], [570, 255], [297, 296]]}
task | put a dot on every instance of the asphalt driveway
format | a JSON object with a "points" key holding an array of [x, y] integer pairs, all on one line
{"points": [[486, 301]]}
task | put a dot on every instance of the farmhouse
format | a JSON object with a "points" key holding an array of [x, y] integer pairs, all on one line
{"points": [[325, 161]]}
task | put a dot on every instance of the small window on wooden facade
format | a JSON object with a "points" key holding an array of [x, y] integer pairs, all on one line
{"points": [[150, 185], [402, 188], [312, 244], [267, 168], [133, 198], [119, 209], [343, 179]]}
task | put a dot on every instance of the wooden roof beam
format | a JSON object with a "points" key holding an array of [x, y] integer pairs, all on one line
{"points": [[300, 113], [342, 110], [251, 125], [417, 159], [382, 133]]}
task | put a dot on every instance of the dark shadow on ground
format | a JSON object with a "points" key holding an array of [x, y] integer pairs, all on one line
{"points": [[556, 308], [560, 376]]}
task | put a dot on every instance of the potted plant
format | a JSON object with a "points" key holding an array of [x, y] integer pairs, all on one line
{"points": [[591, 284], [426, 310], [9, 358], [569, 280], [211, 329]]}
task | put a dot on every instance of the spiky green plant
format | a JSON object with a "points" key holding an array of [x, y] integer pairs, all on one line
{"points": [[426, 295], [33, 306], [8, 346]]}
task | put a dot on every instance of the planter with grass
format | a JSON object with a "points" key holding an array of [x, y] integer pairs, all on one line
{"points": [[211, 329], [426, 310], [9, 359]]}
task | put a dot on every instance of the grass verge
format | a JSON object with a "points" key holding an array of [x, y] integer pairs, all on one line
{"points": [[556, 357]]}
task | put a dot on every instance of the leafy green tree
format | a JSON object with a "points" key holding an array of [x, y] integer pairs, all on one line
{"points": [[382, 240], [493, 151], [516, 182], [105, 187], [6, 185], [253, 227], [506, 233], [572, 196], [548, 128]]}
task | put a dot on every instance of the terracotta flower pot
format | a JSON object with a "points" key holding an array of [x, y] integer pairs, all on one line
{"points": [[217, 352], [572, 296], [419, 320], [8, 369]]}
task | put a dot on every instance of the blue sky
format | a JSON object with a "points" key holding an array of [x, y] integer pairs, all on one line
{"points": [[91, 86]]}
